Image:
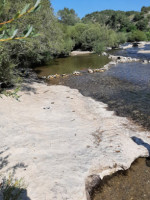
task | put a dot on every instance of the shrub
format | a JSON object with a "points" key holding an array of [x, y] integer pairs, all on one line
{"points": [[68, 16], [137, 36], [148, 35], [89, 37], [11, 189], [99, 47], [30, 52]]}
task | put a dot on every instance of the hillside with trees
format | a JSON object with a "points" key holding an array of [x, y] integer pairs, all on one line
{"points": [[58, 35], [107, 28], [130, 22]]}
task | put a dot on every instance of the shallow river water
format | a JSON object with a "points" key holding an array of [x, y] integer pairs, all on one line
{"points": [[126, 90], [73, 63]]}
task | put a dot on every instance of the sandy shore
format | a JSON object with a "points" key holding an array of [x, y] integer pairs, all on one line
{"points": [[58, 139], [75, 53], [144, 51]]}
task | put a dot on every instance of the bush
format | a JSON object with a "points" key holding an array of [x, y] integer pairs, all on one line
{"points": [[142, 24], [76, 32], [30, 52], [68, 16], [148, 35], [137, 36], [99, 47], [89, 38], [6, 67], [11, 189], [121, 37]]}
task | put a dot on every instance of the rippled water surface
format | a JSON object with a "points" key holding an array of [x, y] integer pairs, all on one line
{"points": [[126, 90], [134, 52]]}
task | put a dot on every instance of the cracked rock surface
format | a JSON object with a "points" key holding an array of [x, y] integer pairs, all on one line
{"points": [[58, 140]]}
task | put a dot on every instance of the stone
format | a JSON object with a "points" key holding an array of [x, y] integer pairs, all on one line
{"points": [[112, 63], [135, 44], [145, 61], [109, 48], [64, 75], [96, 70], [90, 71], [104, 54], [59, 148], [76, 73], [91, 183]]}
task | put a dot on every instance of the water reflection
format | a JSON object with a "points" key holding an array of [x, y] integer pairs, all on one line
{"points": [[71, 64]]}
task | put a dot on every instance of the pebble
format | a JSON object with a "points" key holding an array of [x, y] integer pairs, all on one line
{"points": [[76, 73], [46, 108], [90, 71]]}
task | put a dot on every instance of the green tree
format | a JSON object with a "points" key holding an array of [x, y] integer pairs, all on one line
{"points": [[29, 52], [137, 36], [89, 38], [76, 32], [142, 24], [68, 16], [138, 17], [145, 9]]}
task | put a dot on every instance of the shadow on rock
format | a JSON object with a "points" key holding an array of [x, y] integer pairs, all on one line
{"points": [[139, 141], [10, 187], [3, 159]]}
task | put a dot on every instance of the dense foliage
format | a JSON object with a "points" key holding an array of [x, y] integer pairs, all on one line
{"points": [[107, 28], [36, 50], [68, 16], [120, 20], [58, 36]]}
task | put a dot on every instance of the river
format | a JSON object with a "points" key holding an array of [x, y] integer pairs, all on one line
{"points": [[73, 63], [126, 89]]}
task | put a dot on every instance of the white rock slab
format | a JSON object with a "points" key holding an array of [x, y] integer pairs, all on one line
{"points": [[56, 139]]}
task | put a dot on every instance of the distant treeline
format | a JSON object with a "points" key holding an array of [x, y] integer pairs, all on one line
{"points": [[59, 35], [107, 28]]}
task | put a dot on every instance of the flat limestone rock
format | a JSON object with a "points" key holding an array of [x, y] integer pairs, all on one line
{"points": [[62, 143]]}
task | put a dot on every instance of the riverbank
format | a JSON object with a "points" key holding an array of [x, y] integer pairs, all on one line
{"points": [[76, 53], [129, 184], [56, 138]]}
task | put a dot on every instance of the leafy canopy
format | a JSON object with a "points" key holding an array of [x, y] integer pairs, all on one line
{"points": [[6, 33], [68, 16]]}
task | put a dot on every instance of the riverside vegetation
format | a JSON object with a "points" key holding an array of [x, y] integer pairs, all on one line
{"points": [[61, 34]]}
